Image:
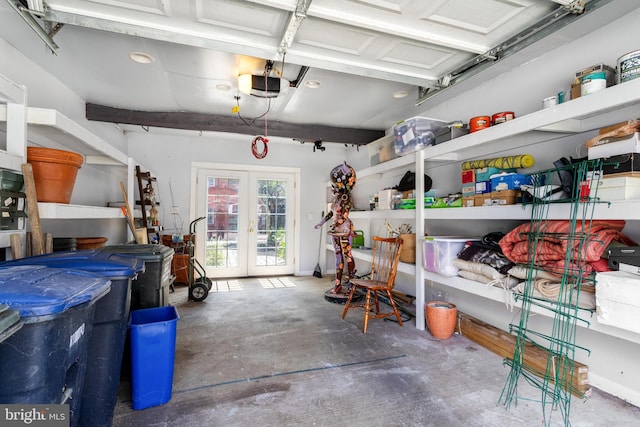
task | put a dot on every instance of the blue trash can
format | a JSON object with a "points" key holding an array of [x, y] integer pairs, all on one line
{"points": [[45, 361], [107, 343], [153, 347]]}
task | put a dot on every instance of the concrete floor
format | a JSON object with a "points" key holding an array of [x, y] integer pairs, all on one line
{"points": [[273, 352]]}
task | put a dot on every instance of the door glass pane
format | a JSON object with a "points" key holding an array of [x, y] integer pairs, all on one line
{"points": [[222, 222], [271, 222]]}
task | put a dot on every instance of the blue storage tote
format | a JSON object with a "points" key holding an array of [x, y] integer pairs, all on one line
{"points": [[153, 346], [45, 361], [107, 342]]}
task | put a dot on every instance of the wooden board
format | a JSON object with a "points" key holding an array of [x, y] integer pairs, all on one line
{"points": [[535, 358]]}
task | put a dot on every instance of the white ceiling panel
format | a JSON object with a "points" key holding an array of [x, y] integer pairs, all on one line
{"points": [[360, 51]]}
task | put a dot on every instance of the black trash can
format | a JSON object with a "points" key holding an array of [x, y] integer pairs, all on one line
{"points": [[151, 288], [45, 361], [106, 347]]}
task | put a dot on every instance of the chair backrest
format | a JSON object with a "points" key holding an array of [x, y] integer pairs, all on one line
{"points": [[386, 255]]}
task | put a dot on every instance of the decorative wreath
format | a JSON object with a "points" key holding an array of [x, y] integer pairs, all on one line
{"points": [[254, 147]]}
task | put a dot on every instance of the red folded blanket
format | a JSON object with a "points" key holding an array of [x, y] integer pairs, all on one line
{"points": [[553, 244]]}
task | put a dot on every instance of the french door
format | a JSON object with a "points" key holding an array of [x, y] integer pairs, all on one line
{"points": [[249, 227]]}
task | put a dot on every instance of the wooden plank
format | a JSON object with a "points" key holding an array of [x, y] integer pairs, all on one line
{"points": [[37, 238], [16, 246], [48, 243], [535, 359]]}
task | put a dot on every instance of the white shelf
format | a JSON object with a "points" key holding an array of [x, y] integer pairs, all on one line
{"points": [[60, 128], [365, 255], [626, 210], [612, 105], [64, 211], [615, 104], [504, 296], [384, 214]]}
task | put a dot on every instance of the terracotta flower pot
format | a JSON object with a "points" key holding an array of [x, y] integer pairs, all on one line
{"points": [[441, 318], [54, 173], [85, 243]]}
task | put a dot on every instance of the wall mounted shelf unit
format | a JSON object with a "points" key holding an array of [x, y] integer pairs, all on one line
{"points": [[613, 105]]}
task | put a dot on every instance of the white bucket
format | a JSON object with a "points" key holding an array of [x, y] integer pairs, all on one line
{"points": [[629, 66]]}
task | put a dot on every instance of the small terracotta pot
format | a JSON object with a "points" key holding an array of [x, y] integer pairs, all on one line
{"points": [[54, 173], [441, 318]]}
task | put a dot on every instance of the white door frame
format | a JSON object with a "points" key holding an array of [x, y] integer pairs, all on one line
{"points": [[195, 166]]}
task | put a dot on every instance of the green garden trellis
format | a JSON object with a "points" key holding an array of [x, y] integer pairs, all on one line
{"points": [[555, 383]]}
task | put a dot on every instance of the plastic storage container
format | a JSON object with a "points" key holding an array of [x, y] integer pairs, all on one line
{"points": [[151, 288], [415, 133], [106, 346], [45, 361], [153, 345], [440, 252]]}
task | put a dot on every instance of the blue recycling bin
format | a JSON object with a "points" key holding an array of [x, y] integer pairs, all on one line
{"points": [[45, 361], [153, 346], [106, 347]]}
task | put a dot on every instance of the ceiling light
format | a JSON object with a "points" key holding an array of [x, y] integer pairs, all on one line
{"points": [[260, 86], [400, 94], [223, 86], [312, 84], [141, 57]]}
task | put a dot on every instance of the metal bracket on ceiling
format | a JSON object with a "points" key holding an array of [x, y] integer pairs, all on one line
{"points": [[295, 20], [573, 6], [27, 14], [564, 15]]}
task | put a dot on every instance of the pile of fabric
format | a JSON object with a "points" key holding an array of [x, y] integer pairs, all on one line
{"points": [[556, 248], [484, 262], [551, 241]]}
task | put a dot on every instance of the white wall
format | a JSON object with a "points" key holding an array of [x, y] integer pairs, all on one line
{"points": [[170, 157], [93, 186]]}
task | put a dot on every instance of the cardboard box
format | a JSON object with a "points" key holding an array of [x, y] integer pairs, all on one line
{"points": [[618, 188], [381, 150], [510, 181], [468, 202], [629, 162], [505, 197], [482, 199], [386, 199], [618, 299], [483, 187], [485, 174], [468, 176], [610, 73], [576, 90], [615, 147], [468, 190]]}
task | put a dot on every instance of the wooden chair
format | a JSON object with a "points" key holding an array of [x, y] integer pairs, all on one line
{"points": [[384, 265]]}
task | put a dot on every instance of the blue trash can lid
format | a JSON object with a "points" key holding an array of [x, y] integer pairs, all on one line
{"points": [[103, 263], [42, 291]]}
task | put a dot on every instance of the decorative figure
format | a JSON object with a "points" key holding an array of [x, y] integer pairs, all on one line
{"points": [[343, 179]]}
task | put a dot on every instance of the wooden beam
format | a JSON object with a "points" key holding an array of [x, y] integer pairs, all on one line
{"points": [[229, 124]]}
